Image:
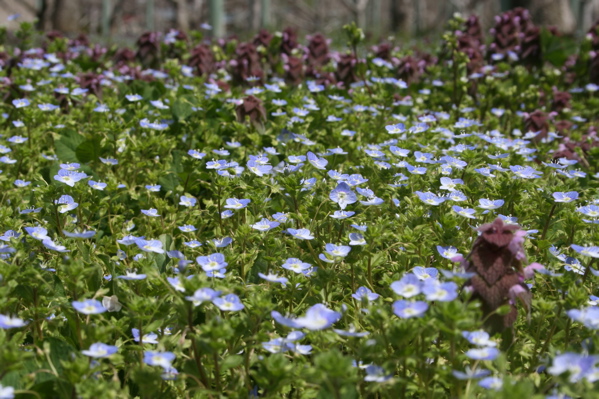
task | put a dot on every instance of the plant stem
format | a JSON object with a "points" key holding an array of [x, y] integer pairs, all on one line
{"points": [[548, 220]]}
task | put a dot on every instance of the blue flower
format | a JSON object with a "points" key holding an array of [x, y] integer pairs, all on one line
{"points": [[162, 359], [297, 265], [66, 203], [342, 214], [588, 316], [99, 350], [466, 212], [578, 366], [430, 198], [149, 338], [89, 306], [480, 338], [470, 374], [259, 169], [84, 234], [234, 203], [318, 317], [406, 309], [525, 172], [97, 185], [47, 107], [203, 295], [337, 250], [69, 177], [303, 234], [491, 383], [196, 154], [153, 212], [490, 204], [447, 252], [21, 102], [273, 278], [425, 273], [265, 225], [408, 286], [192, 244], [592, 251], [589, 210], [7, 322], [356, 239], [7, 392], [343, 195], [149, 245], [230, 303], [486, 353], [437, 291], [221, 242], [132, 276], [565, 197], [212, 262], [318, 163], [48, 243], [187, 201], [39, 233], [376, 374], [364, 292], [153, 187]]}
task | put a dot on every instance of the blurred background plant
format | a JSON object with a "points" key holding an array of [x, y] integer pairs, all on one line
{"points": [[125, 20]]}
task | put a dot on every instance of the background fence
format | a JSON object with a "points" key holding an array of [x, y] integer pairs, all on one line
{"points": [[127, 19]]}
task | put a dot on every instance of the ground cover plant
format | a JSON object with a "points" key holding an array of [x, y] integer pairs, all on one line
{"points": [[201, 219]]}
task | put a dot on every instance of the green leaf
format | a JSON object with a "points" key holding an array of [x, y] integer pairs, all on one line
{"points": [[182, 108], [169, 182], [89, 150], [231, 361], [66, 146]]}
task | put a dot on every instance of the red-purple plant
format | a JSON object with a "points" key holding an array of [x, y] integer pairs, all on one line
{"points": [[251, 108], [496, 260], [346, 68], [289, 41], [148, 47], [246, 64], [294, 70], [318, 51], [537, 122], [202, 60]]}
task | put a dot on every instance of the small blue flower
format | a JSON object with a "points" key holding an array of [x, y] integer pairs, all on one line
{"points": [[89, 306], [97, 185], [430, 198], [408, 286], [99, 350], [343, 195], [7, 322], [565, 197], [273, 278], [230, 303], [234, 203], [21, 102], [318, 163], [153, 212], [364, 292], [265, 225], [406, 309], [187, 201], [162, 359], [149, 338], [486, 353], [149, 245], [490, 204], [303, 234]]}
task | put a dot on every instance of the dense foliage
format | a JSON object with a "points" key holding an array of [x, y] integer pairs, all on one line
{"points": [[266, 219]]}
